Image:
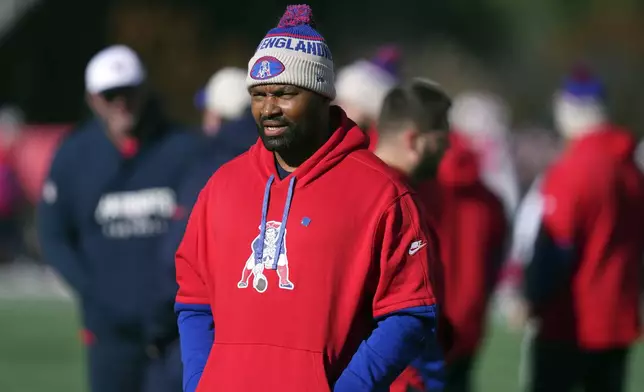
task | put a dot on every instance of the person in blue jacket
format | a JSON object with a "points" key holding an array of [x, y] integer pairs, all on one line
{"points": [[226, 99], [107, 203]]}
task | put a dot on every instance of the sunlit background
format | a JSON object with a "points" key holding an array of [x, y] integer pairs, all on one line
{"points": [[517, 49]]}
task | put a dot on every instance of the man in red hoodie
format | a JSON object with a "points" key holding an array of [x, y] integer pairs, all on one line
{"points": [[583, 283], [413, 134], [305, 265], [470, 219]]}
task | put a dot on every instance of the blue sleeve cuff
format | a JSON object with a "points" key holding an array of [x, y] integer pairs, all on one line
{"points": [[192, 383], [398, 339], [197, 332]]}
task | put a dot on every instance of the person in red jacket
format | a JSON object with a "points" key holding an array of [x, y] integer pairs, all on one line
{"points": [[471, 222], [583, 282], [413, 135], [473, 233], [306, 264]]}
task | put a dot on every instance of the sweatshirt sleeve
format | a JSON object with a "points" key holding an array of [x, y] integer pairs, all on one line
{"points": [[404, 305], [399, 339], [56, 229], [196, 325], [405, 251], [197, 331], [191, 254]]}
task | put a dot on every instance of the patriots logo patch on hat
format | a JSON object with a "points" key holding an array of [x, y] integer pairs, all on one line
{"points": [[266, 67]]}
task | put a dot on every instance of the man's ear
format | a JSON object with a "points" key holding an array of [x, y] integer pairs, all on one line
{"points": [[411, 138]]}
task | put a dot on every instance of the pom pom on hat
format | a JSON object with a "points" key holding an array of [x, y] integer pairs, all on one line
{"points": [[297, 15], [581, 84]]}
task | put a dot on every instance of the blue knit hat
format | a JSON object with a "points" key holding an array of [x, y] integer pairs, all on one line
{"points": [[294, 53]]}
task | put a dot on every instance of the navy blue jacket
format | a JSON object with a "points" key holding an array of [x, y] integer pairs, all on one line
{"points": [[103, 215], [233, 139]]}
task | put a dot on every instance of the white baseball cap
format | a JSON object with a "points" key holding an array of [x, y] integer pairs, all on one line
{"points": [[113, 67]]}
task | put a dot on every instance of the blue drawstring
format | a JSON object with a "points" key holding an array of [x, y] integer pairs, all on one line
{"points": [[262, 229], [259, 256]]}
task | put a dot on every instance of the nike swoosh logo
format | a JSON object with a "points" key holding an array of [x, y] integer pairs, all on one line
{"points": [[414, 249]]}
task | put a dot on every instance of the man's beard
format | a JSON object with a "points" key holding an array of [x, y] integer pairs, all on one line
{"points": [[428, 167], [291, 138]]}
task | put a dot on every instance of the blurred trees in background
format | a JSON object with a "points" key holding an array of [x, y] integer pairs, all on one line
{"points": [[517, 48]]}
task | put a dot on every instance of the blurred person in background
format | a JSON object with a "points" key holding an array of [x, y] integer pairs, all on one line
{"points": [[227, 101], [535, 149], [583, 282], [236, 132], [481, 123], [106, 205], [412, 137], [524, 231], [340, 297], [362, 86], [477, 188], [222, 100]]}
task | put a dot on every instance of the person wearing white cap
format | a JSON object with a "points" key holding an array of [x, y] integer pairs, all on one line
{"points": [[225, 98], [107, 202], [482, 120], [114, 81], [231, 130], [362, 86]]}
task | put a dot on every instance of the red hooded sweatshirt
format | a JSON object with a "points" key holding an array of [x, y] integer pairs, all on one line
{"points": [[355, 248], [473, 228], [594, 207], [372, 133]]}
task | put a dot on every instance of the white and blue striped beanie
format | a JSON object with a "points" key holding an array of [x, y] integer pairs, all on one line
{"points": [[294, 53]]}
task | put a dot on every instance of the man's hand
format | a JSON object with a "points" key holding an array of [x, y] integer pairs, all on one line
{"points": [[518, 314]]}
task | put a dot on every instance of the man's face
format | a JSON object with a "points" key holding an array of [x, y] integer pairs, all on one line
{"points": [[119, 108], [430, 147], [284, 115]]}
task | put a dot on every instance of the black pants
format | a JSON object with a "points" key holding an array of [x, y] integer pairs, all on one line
{"points": [[458, 375], [560, 367], [122, 365]]}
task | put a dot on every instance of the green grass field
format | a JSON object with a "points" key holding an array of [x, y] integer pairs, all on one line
{"points": [[40, 352]]}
